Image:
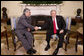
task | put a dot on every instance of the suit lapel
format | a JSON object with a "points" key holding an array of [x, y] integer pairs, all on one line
{"points": [[51, 21]]}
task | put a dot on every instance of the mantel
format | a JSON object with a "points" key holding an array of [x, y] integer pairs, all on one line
{"points": [[41, 4], [42, 9]]}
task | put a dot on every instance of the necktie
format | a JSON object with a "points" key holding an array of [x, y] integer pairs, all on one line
{"points": [[54, 26]]}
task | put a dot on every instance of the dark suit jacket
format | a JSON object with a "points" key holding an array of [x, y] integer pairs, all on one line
{"points": [[49, 24]]}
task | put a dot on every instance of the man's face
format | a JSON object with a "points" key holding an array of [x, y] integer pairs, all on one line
{"points": [[53, 14], [28, 13]]}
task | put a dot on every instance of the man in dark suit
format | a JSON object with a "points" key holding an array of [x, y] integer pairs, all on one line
{"points": [[23, 31], [54, 25]]}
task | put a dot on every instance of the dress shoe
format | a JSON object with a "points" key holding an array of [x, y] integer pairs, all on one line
{"points": [[47, 47], [29, 52], [33, 50]]}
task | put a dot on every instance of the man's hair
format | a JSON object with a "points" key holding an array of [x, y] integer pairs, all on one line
{"points": [[52, 11], [26, 10]]}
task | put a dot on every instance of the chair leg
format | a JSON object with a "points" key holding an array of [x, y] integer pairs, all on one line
{"points": [[66, 47], [76, 45], [14, 46], [13, 38], [67, 38], [67, 42], [7, 40]]}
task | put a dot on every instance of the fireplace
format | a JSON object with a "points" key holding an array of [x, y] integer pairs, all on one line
{"points": [[39, 20]]}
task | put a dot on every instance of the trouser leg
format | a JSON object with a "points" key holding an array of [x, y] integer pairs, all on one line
{"points": [[61, 40], [26, 40], [48, 37], [29, 38], [25, 43]]}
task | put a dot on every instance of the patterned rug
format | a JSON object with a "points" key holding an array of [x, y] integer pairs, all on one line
{"points": [[40, 45]]}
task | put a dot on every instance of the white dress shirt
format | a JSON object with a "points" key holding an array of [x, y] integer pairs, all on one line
{"points": [[55, 23]]}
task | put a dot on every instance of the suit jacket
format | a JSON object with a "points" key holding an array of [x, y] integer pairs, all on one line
{"points": [[49, 24], [24, 23]]}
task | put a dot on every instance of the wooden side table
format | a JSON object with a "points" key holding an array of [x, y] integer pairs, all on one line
{"points": [[5, 33], [80, 34], [78, 42], [77, 20], [76, 35]]}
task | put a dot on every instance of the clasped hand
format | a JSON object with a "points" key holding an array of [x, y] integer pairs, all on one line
{"points": [[36, 28]]}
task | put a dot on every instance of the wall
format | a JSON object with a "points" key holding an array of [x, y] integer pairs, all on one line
{"points": [[67, 9], [13, 8]]}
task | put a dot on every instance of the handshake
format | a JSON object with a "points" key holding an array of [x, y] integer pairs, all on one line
{"points": [[36, 28]]}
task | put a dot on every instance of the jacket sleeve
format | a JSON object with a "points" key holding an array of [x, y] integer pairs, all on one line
{"points": [[45, 26], [23, 21]]}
